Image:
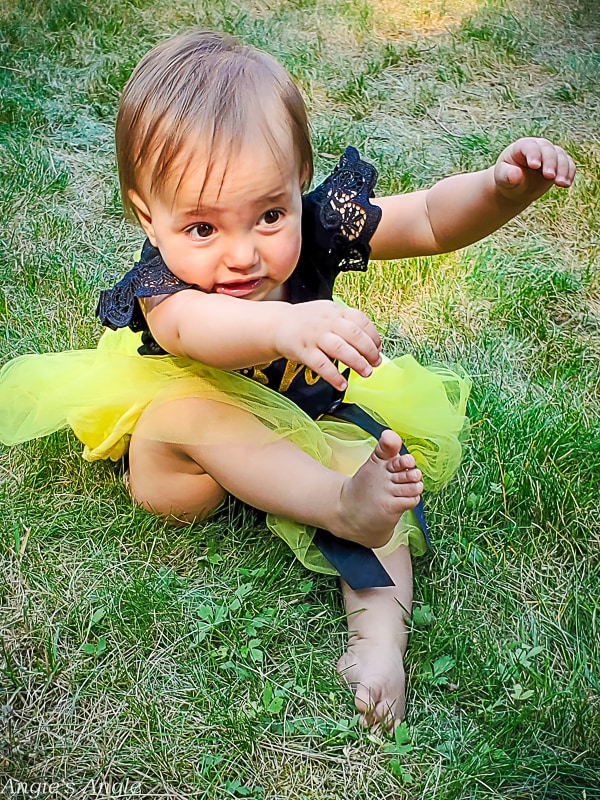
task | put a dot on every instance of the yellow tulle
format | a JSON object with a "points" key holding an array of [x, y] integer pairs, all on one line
{"points": [[101, 394]]}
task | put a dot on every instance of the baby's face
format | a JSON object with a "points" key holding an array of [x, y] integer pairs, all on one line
{"points": [[242, 237]]}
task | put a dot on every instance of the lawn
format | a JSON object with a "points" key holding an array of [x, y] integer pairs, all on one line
{"points": [[138, 660]]}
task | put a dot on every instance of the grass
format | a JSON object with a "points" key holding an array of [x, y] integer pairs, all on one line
{"points": [[199, 663]]}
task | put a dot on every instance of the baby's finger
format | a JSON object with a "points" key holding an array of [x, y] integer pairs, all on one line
{"points": [[549, 156], [337, 348], [364, 323], [525, 152], [508, 175], [361, 340], [565, 170], [531, 152], [318, 362]]}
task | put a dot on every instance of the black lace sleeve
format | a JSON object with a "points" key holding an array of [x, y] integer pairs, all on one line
{"points": [[118, 307], [343, 219]]}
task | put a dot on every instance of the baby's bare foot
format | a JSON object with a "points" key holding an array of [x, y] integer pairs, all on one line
{"points": [[374, 671], [373, 665], [376, 496]]}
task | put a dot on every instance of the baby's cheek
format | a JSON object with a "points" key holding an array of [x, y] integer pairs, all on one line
{"points": [[189, 270], [291, 252]]}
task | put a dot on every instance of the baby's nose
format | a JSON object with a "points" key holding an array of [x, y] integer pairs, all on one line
{"points": [[242, 254]]}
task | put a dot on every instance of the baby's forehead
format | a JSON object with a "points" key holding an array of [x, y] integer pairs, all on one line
{"points": [[262, 154]]}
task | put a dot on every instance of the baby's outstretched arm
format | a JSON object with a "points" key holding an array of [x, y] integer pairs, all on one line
{"points": [[464, 208], [233, 333]]}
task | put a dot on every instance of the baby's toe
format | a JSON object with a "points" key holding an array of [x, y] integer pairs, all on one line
{"points": [[402, 463], [409, 476], [388, 445], [385, 716], [364, 704]]}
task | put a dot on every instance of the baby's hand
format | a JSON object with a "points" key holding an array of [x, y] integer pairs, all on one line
{"points": [[529, 167], [321, 331]]}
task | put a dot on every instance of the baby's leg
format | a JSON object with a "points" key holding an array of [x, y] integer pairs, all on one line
{"points": [[163, 480], [377, 637], [241, 456], [373, 664], [222, 448]]}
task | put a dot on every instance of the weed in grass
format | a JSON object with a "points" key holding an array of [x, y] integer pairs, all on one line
{"points": [[356, 95], [495, 26]]}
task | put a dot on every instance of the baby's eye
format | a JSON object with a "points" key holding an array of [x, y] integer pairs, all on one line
{"points": [[272, 216], [202, 230]]}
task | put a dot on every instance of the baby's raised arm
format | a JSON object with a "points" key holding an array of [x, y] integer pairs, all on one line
{"points": [[232, 333], [464, 208]]}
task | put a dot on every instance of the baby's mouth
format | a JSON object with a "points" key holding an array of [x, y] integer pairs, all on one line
{"points": [[239, 288]]}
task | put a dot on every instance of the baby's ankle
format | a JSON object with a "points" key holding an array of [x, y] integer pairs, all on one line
{"points": [[337, 511]]}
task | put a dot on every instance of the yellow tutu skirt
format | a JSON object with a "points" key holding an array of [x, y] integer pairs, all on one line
{"points": [[100, 394]]}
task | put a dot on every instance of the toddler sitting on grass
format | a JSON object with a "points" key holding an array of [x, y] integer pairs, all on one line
{"points": [[225, 369]]}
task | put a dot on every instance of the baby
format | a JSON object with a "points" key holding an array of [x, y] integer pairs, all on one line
{"points": [[242, 341]]}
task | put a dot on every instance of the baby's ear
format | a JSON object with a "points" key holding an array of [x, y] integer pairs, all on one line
{"points": [[143, 214], [304, 173]]}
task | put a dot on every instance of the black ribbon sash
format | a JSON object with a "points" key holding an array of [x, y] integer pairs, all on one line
{"points": [[358, 565]]}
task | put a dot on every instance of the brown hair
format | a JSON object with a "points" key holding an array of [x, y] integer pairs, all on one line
{"points": [[204, 89]]}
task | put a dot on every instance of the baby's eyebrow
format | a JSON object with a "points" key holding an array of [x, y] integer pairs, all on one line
{"points": [[274, 197], [191, 215], [195, 214]]}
